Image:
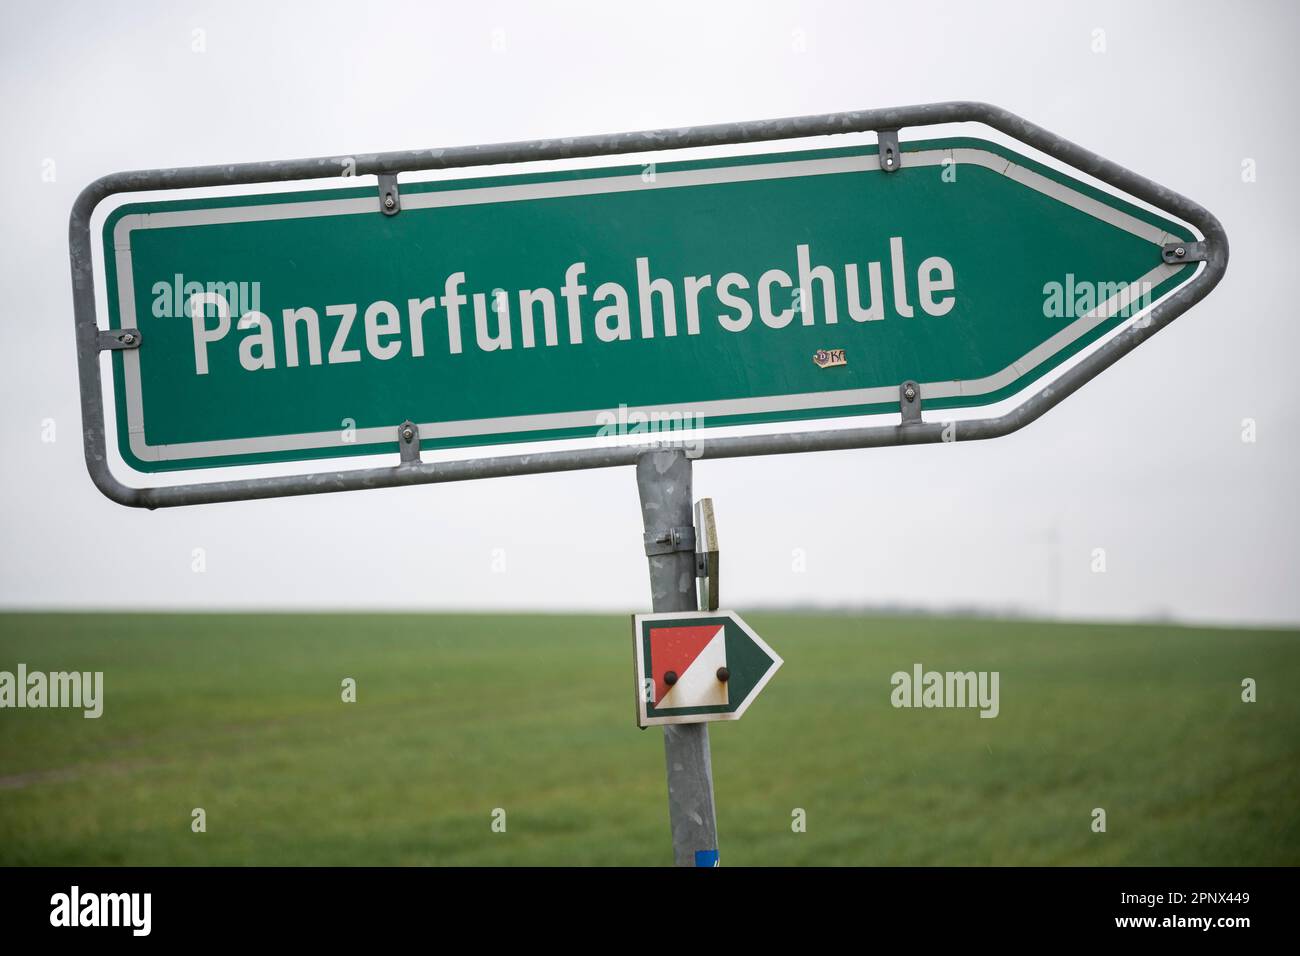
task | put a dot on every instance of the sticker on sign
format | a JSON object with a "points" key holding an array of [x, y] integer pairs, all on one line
{"points": [[696, 666]]}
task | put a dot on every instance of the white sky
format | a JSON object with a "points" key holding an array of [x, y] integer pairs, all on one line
{"points": [[1146, 462]]}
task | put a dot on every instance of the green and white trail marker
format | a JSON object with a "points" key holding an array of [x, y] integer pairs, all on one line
{"points": [[693, 667]]}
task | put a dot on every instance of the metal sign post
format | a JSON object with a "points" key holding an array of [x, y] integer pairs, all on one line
{"points": [[663, 480]]}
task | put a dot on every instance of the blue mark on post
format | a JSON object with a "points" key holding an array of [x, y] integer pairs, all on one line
{"points": [[706, 858]]}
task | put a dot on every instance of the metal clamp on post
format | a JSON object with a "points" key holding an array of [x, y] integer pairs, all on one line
{"points": [[891, 157], [669, 540], [1176, 252], [390, 199], [118, 339], [909, 401], [408, 442]]}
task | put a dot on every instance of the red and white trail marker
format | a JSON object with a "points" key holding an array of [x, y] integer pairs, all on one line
{"points": [[696, 666]]}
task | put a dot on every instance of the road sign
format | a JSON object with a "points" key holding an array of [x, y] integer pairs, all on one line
{"points": [[697, 666], [611, 301]]}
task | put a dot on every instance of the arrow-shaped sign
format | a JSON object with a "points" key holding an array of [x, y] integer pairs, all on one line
{"points": [[814, 284], [695, 666]]}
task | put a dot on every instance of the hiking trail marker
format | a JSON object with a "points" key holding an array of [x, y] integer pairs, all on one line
{"points": [[697, 667], [905, 277]]}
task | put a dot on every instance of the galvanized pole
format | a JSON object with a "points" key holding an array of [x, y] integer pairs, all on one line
{"points": [[663, 479]]}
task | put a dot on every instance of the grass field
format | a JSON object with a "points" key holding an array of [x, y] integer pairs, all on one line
{"points": [[458, 715]]}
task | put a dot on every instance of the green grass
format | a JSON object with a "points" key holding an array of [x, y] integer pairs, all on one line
{"points": [[458, 715]]}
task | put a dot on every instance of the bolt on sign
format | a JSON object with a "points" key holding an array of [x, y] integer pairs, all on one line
{"points": [[751, 289], [693, 667]]}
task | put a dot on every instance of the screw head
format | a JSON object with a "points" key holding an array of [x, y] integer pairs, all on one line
{"points": [[1180, 252], [670, 678], [407, 434], [128, 338], [723, 674], [389, 202], [909, 393]]}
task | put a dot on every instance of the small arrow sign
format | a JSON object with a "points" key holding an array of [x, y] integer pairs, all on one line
{"points": [[695, 666]]}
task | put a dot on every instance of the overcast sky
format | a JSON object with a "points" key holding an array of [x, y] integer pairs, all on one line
{"points": [[1147, 462]]}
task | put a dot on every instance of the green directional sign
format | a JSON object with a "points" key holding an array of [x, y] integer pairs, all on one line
{"points": [[696, 666], [610, 302]]}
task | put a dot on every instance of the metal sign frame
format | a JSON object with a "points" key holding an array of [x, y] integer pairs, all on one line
{"points": [[91, 340]]}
